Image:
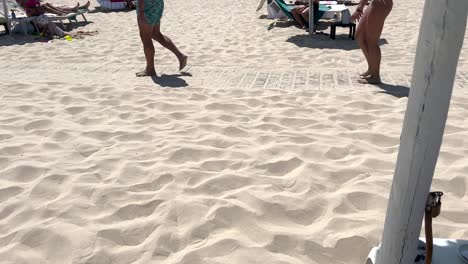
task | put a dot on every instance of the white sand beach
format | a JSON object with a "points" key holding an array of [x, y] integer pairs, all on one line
{"points": [[264, 150]]}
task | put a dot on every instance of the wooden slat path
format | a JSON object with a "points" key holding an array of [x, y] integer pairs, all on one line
{"points": [[232, 77]]}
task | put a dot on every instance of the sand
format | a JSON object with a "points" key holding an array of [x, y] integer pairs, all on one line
{"points": [[265, 150]]}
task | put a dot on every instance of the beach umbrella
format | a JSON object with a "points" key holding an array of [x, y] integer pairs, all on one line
{"points": [[5, 11]]}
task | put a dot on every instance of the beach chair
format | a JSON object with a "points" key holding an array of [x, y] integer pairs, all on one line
{"points": [[273, 11], [4, 23], [287, 9], [71, 17], [22, 19]]}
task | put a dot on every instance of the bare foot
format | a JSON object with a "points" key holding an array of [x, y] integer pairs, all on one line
{"points": [[146, 72], [364, 75], [370, 80], [183, 62], [86, 6], [75, 8]]}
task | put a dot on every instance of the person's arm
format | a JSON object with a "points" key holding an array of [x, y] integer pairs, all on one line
{"points": [[359, 11], [361, 5]]}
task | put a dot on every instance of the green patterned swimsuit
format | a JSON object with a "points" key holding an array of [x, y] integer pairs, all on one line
{"points": [[152, 10]]}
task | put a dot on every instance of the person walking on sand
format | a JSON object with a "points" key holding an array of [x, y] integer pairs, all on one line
{"points": [[149, 13], [371, 23]]}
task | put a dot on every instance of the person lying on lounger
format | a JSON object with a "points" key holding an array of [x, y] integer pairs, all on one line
{"points": [[35, 8]]}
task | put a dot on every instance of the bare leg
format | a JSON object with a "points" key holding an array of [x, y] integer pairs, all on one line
{"points": [[296, 12], [56, 10], [168, 44], [48, 8], [305, 15], [361, 39], [73, 9], [148, 47], [86, 6], [378, 11], [64, 8]]}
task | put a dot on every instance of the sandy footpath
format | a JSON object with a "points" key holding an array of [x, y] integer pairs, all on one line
{"points": [[265, 150]]}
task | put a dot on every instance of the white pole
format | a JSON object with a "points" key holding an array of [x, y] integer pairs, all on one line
{"points": [[311, 17], [5, 11], [440, 40]]}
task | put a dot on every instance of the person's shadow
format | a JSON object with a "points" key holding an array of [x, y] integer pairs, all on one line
{"points": [[395, 90], [171, 80]]}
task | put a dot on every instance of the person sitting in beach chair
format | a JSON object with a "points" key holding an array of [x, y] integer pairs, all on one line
{"points": [[35, 8], [301, 13], [49, 29]]}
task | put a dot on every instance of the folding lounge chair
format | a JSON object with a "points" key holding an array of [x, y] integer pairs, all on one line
{"points": [[4, 23], [287, 9], [71, 17], [21, 17], [79, 12]]}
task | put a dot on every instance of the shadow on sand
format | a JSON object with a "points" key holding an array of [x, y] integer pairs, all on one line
{"points": [[17, 39], [171, 80], [394, 90], [280, 24], [323, 41], [99, 9], [21, 39]]}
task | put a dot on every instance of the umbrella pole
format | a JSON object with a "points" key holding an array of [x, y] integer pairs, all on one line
{"points": [[311, 18], [440, 40], [5, 11]]}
